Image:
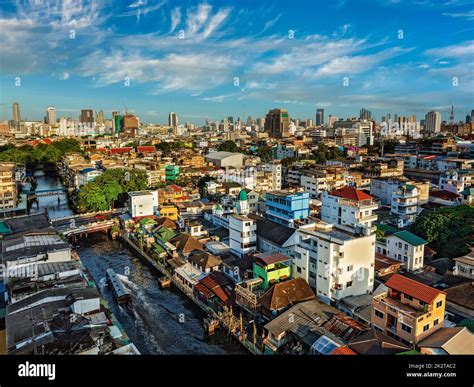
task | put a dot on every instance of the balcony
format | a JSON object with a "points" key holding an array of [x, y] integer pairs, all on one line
{"points": [[368, 218], [396, 307], [392, 328]]}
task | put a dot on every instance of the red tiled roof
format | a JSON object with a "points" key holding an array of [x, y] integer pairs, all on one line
{"points": [[443, 194], [343, 351], [218, 283], [413, 288], [351, 194], [41, 141], [121, 150], [175, 188], [145, 149]]}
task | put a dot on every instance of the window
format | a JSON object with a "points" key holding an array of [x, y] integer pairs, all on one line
{"points": [[348, 284], [298, 269], [406, 328], [350, 268], [406, 246], [439, 304], [435, 322], [408, 297], [426, 327], [378, 313]]}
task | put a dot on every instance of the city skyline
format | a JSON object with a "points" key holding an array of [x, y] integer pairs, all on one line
{"points": [[214, 59]]}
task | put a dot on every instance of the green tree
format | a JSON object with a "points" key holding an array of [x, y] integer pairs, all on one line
{"points": [[265, 153], [449, 230], [228, 146], [91, 198], [112, 191]]}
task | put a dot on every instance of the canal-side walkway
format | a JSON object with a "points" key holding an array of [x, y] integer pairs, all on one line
{"points": [[223, 322]]}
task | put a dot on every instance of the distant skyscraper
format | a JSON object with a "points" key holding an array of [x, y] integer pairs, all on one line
{"points": [[309, 123], [468, 119], [433, 122], [332, 120], [173, 120], [87, 116], [319, 117], [230, 119], [277, 122], [51, 115], [16, 112], [100, 118], [472, 115], [365, 114]]}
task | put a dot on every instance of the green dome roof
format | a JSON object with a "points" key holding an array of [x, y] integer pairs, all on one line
{"points": [[243, 196]]}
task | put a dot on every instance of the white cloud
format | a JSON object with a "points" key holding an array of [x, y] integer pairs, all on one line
{"points": [[461, 50], [355, 64], [64, 76], [175, 18], [469, 15]]}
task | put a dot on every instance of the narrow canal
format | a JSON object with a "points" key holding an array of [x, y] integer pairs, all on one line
{"points": [[159, 321]]}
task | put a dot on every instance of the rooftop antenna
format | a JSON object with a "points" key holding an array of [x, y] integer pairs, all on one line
{"points": [[451, 115]]}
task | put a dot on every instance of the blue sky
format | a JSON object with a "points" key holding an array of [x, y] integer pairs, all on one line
{"points": [[217, 58]]}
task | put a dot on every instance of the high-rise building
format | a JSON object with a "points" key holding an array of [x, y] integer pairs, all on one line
{"points": [[332, 120], [319, 117], [472, 115], [309, 123], [468, 119], [277, 122], [51, 115], [16, 112], [87, 116], [100, 118], [433, 122], [365, 114], [173, 120]]}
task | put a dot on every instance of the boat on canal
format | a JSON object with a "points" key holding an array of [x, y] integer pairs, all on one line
{"points": [[122, 295]]}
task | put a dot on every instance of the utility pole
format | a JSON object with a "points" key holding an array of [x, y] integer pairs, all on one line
{"points": [[254, 335], [241, 324]]}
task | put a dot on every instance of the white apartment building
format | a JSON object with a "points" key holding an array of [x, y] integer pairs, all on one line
{"points": [[384, 187], [405, 204], [349, 209], [242, 235], [405, 247], [456, 181], [465, 266], [276, 170], [315, 182], [433, 122], [337, 264], [8, 186], [142, 203]]}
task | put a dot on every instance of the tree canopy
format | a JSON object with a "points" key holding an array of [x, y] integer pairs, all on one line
{"points": [[228, 146], [42, 153], [449, 230], [110, 188]]}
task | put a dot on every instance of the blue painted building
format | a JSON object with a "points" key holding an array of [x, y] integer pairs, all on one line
{"points": [[284, 207]]}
